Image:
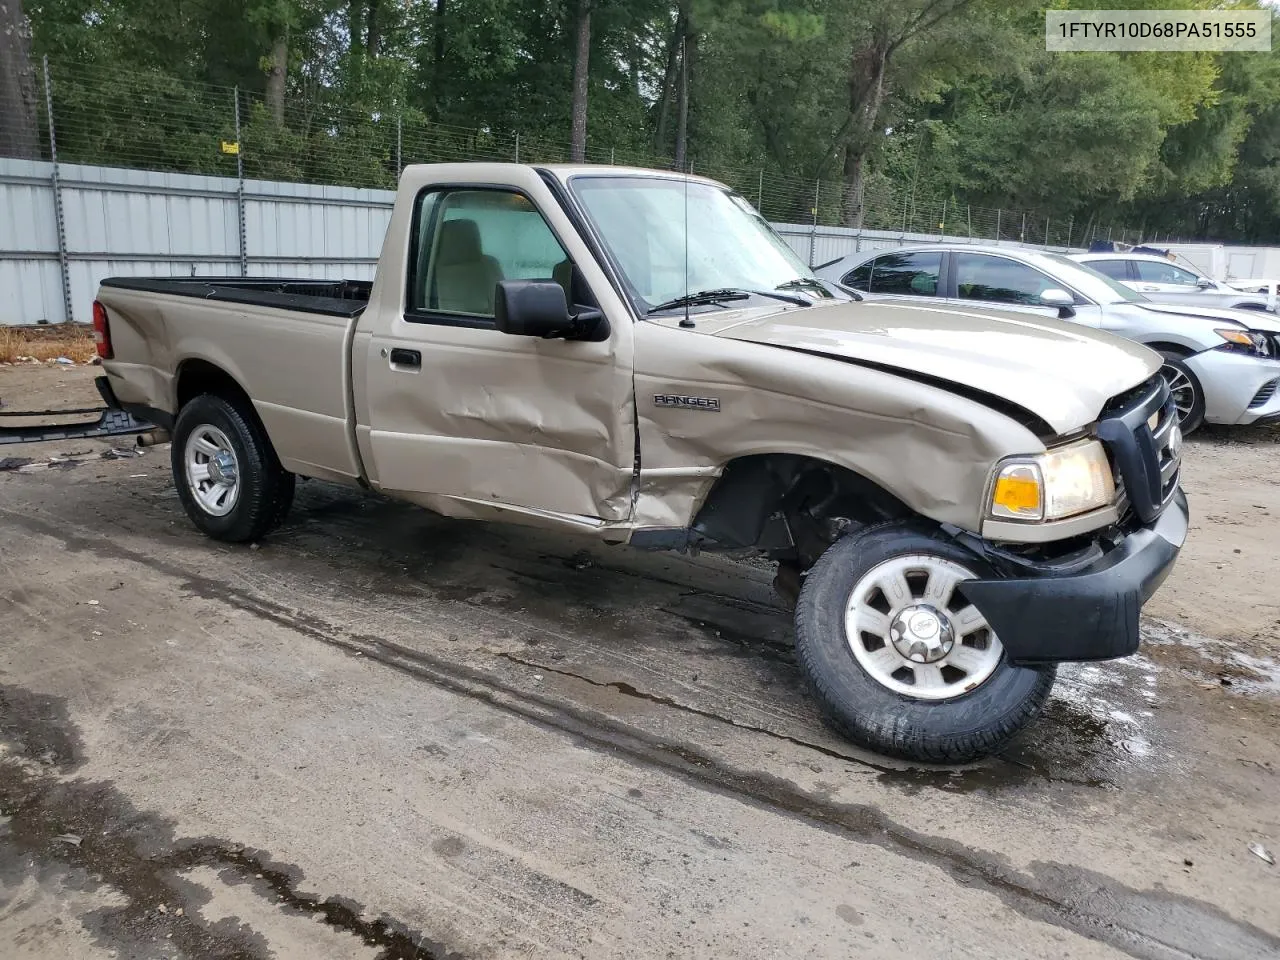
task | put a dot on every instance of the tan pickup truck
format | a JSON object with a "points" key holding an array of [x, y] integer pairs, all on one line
{"points": [[960, 499]]}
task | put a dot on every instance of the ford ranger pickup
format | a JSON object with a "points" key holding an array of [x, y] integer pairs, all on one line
{"points": [[957, 499]]}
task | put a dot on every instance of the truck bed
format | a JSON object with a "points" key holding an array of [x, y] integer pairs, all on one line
{"points": [[336, 298]]}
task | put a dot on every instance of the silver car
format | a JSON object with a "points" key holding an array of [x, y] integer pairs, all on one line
{"points": [[1223, 365], [1160, 279]]}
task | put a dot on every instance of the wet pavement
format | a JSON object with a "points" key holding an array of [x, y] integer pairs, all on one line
{"points": [[386, 734]]}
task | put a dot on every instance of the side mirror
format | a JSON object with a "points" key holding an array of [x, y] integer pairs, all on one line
{"points": [[1065, 302], [1204, 283], [532, 308], [537, 308]]}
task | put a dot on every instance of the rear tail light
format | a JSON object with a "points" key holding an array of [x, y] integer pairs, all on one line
{"points": [[101, 331]]}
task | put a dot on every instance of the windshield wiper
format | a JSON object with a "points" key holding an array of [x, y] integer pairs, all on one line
{"points": [[701, 297], [726, 294], [810, 283]]}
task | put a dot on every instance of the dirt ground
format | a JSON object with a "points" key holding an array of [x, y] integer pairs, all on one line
{"points": [[381, 733]]}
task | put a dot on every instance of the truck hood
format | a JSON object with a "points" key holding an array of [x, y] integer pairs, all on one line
{"points": [[1252, 319], [1061, 372]]}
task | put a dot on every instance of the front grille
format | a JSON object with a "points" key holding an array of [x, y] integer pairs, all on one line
{"points": [[1122, 402], [1168, 452], [1146, 458], [1265, 393]]}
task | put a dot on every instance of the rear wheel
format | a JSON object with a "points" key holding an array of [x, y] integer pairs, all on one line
{"points": [[1185, 388], [899, 660], [228, 477]]}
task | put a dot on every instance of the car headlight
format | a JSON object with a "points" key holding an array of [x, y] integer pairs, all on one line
{"points": [[1072, 479], [1251, 342]]}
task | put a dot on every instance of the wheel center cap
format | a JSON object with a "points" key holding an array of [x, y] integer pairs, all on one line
{"points": [[222, 467], [921, 633]]}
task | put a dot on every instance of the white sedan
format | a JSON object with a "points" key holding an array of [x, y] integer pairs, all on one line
{"points": [[1162, 280], [1223, 365]]}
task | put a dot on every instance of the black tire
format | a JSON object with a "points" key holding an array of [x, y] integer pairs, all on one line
{"points": [[265, 489], [966, 727], [1186, 385]]}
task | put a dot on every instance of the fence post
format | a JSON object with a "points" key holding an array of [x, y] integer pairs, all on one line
{"points": [[968, 220], [760, 192], [399, 145], [1071, 221], [61, 223], [517, 146], [1022, 237], [244, 252], [998, 212], [813, 233], [1046, 231], [611, 155], [942, 224]]}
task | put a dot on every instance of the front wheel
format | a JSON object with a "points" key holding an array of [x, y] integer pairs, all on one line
{"points": [[899, 661], [1184, 386]]}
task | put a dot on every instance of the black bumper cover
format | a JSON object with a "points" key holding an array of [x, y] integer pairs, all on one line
{"points": [[1091, 614], [113, 420]]}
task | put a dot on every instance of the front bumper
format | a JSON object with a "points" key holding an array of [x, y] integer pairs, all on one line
{"points": [[1231, 382], [1092, 612]]}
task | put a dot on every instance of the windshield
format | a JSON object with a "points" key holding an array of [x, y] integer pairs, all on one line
{"points": [[642, 222], [1093, 284]]}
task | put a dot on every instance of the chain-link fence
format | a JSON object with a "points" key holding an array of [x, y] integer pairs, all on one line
{"points": [[150, 121]]}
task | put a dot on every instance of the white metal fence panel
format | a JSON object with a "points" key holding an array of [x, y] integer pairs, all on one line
{"points": [[120, 222], [818, 245]]}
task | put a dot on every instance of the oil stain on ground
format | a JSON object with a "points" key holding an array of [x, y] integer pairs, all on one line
{"points": [[48, 816]]}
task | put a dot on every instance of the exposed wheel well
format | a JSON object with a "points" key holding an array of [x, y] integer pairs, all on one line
{"points": [[1175, 348], [791, 507], [196, 377], [200, 376]]}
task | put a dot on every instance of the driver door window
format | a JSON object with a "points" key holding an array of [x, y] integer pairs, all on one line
{"points": [[466, 241], [997, 280], [1151, 272], [1115, 269]]}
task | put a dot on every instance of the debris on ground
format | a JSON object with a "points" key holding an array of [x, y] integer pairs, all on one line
{"points": [[13, 463], [1262, 853], [64, 361], [74, 839]]}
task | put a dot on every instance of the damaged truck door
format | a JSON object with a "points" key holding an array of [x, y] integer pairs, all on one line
{"points": [[956, 500], [452, 406]]}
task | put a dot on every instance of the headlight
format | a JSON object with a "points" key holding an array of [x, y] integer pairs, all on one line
{"points": [[1245, 341], [1057, 483]]}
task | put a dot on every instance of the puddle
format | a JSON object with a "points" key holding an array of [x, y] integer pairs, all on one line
{"points": [[1099, 724], [1215, 662]]}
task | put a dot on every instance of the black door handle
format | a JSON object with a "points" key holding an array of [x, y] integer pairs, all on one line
{"points": [[405, 358]]}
